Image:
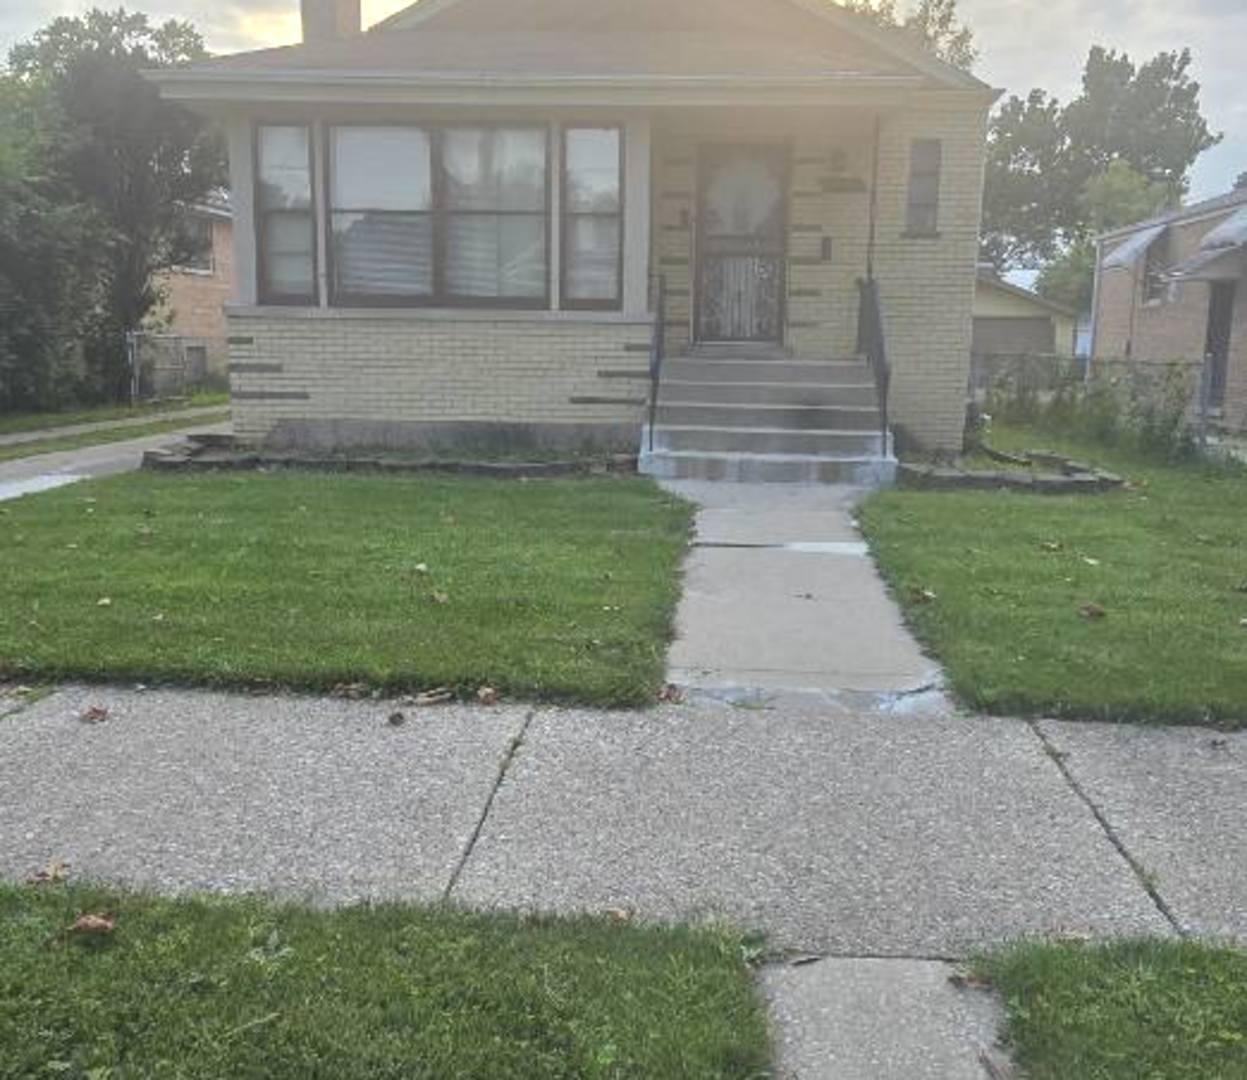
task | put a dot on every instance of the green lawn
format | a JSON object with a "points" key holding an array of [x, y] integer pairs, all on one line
{"points": [[1012, 575], [559, 589], [209, 988], [1137, 1010], [108, 435], [12, 423]]}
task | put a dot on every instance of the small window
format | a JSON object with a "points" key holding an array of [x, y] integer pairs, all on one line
{"points": [[192, 245], [285, 224], [592, 218], [922, 215], [1155, 287]]}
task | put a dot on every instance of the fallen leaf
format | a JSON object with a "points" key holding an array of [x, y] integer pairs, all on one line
{"points": [[104, 601], [439, 696], [921, 595], [487, 695], [671, 694], [93, 925], [94, 714], [54, 873], [158, 617], [353, 690], [968, 980], [1090, 561], [396, 719], [439, 597], [1051, 545], [1092, 611], [421, 568], [619, 914]]}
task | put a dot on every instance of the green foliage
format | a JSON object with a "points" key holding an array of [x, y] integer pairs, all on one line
{"points": [[206, 988], [113, 164], [553, 589], [1123, 1010], [1069, 278], [1143, 409], [1049, 166], [931, 24]]}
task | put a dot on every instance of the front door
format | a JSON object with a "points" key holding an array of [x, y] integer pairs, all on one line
{"points": [[1217, 345], [740, 243]]}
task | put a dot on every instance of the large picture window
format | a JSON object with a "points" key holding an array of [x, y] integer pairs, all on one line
{"points": [[592, 218], [284, 215], [449, 216]]}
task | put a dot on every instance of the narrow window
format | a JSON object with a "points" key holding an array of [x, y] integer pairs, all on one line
{"points": [[285, 224], [495, 217], [592, 218], [381, 220], [922, 217], [192, 245]]}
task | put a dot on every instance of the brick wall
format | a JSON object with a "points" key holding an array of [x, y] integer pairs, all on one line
{"points": [[926, 284], [329, 379], [195, 301]]}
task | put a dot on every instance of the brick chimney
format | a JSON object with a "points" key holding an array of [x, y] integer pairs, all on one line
{"points": [[324, 20]]}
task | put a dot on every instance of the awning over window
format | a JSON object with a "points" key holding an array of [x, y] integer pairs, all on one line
{"points": [[1133, 248], [1220, 255]]}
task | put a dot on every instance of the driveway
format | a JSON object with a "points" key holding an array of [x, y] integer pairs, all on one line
{"points": [[42, 472]]}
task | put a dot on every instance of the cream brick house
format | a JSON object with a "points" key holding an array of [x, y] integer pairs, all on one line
{"points": [[1171, 289], [480, 219]]}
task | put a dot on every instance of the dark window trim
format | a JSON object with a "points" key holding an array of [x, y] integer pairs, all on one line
{"points": [[912, 205], [263, 294], [439, 213], [614, 303]]}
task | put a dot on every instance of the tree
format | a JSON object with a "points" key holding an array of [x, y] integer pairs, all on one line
{"points": [[1115, 197], [122, 152], [931, 24], [1042, 155]]}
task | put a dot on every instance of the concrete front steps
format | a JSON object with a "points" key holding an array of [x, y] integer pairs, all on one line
{"points": [[765, 418]]}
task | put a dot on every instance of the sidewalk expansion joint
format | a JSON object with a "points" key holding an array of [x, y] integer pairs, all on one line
{"points": [[512, 750], [1145, 879]]}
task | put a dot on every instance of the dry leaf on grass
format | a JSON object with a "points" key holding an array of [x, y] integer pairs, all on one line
{"points": [[671, 694], [93, 925], [1051, 545], [920, 595], [438, 696], [1092, 611], [619, 915], [968, 980], [487, 695], [54, 873], [104, 601], [439, 597]]}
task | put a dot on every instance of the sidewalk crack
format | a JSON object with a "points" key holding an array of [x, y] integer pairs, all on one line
{"points": [[512, 750], [1145, 879]]}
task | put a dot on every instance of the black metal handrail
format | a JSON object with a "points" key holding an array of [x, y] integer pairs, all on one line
{"points": [[871, 344], [657, 347]]}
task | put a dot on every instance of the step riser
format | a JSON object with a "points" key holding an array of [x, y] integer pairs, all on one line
{"points": [[768, 371], [736, 441], [777, 416], [765, 394], [877, 472]]}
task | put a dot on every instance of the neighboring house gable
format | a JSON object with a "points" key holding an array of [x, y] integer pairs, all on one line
{"points": [[1011, 320]]}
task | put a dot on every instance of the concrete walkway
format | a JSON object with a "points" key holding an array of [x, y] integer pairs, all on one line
{"points": [[780, 594], [190, 415], [42, 472]]}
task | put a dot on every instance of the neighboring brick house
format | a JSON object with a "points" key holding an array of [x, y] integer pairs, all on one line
{"points": [[453, 226], [196, 291], [1171, 289]]}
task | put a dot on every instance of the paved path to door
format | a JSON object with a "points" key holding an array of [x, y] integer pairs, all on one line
{"points": [[781, 594], [190, 415]]}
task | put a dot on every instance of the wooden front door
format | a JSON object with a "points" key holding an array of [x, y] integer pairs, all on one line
{"points": [[740, 243], [1217, 343]]}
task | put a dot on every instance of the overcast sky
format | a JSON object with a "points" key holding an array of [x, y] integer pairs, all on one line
{"points": [[1022, 43]]}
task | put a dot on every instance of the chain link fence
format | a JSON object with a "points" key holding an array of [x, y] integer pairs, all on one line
{"points": [[175, 365]]}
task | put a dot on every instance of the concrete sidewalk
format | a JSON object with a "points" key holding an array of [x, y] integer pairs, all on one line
{"points": [[42, 472], [780, 594], [884, 841], [190, 415]]}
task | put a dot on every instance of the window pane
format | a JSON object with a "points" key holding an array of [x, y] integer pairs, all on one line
{"points": [[284, 172], [288, 244], [924, 185], [383, 255], [591, 257], [591, 164], [496, 255], [380, 169], [495, 169]]}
